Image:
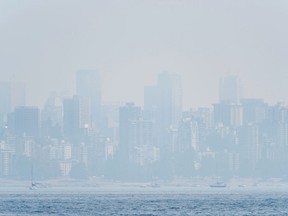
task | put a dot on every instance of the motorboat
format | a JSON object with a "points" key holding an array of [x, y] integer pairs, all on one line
{"points": [[218, 185]]}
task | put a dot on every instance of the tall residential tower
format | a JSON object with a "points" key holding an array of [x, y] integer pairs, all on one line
{"points": [[88, 88], [163, 105], [230, 89]]}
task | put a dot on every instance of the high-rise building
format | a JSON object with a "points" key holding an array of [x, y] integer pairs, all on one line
{"points": [[52, 117], [26, 121], [71, 117], [254, 110], [251, 146], [204, 119], [141, 141], [11, 96], [276, 125], [88, 88], [170, 99], [128, 114], [163, 104], [53, 110], [6, 160], [228, 111], [188, 136], [228, 114], [230, 89], [151, 102]]}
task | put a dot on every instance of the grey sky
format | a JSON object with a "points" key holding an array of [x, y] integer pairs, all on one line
{"points": [[130, 41]]}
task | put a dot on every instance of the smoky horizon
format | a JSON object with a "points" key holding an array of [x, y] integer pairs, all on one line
{"points": [[44, 43], [137, 91]]}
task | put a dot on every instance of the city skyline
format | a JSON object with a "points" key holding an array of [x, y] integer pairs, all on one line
{"points": [[160, 96], [79, 136], [140, 99]]}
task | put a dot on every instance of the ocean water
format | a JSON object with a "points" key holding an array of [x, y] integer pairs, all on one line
{"points": [[219, 201]]}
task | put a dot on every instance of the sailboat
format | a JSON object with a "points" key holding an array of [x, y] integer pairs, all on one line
{"points": [[33, 185]]}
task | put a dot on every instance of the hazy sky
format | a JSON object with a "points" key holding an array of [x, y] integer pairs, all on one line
{"points": [[130, 41]]}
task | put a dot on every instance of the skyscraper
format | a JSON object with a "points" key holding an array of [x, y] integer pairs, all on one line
{"points": [[53, 110], [141, 141], [230, 89], [26, 120], [188, 136], [228, 114], [254, 110], [128, 114], [11, 96], [170, 99], [228, 111], [163, 103], [71, 117], [88, 88]]}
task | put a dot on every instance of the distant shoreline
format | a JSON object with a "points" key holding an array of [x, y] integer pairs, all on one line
{"points": [[180, 183]]}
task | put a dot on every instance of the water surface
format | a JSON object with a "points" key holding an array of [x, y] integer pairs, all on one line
{"points": [[131, 201]]}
